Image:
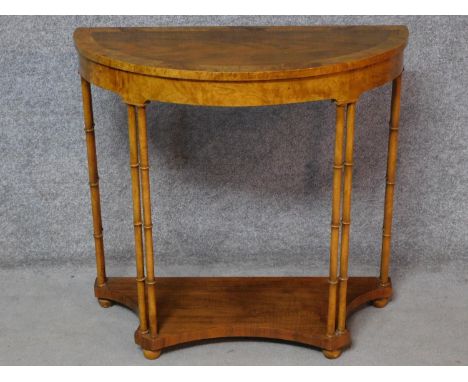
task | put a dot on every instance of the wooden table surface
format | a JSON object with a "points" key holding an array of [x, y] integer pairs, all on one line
{"points": [[241, 66], [240, 53]]}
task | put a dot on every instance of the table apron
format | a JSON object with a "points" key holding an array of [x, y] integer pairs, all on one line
{"points": [[342, 87]]}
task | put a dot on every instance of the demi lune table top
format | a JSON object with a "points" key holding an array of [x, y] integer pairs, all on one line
{"points": [[241, 66], [240, 53]]}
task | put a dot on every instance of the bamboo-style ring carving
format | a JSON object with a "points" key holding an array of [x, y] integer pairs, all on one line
{"points": [[90, 129]]}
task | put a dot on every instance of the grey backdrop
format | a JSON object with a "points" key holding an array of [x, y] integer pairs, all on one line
{"points": [[233, 189]]}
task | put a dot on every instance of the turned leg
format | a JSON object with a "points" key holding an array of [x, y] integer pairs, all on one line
{"points": [[137, 223], [147, 220], [335, 218], [390, 185], [346, 216], [94, 187]]}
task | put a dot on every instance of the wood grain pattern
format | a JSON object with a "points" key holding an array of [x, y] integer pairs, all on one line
{"points": [[242, 66], [240, 53], [287, 308]]}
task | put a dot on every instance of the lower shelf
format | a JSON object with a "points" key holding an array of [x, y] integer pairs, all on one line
{"points": [[285, 308]]}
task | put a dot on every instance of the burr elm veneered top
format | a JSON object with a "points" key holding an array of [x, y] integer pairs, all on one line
{"points": [[240, 53]]}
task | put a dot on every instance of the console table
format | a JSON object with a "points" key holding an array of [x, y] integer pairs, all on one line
{"points": [[242, 66]]}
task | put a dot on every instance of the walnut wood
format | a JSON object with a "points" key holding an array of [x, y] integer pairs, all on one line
{"points": [[242, 66], [137, 222], [93, 181], [346, 216], [390, 180], [240, 53], [335, 219], [147, 220], [287, 308]]}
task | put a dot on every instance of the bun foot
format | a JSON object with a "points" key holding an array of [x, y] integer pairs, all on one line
{"points": [[380, 303], [332, 354], [105, 303], [151, 354]]}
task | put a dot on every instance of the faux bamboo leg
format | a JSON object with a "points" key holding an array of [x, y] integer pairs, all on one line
{"points": [[147, 221], [137, 223], [390, 185], [94, 187], [335, 219], [346, 216]]}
